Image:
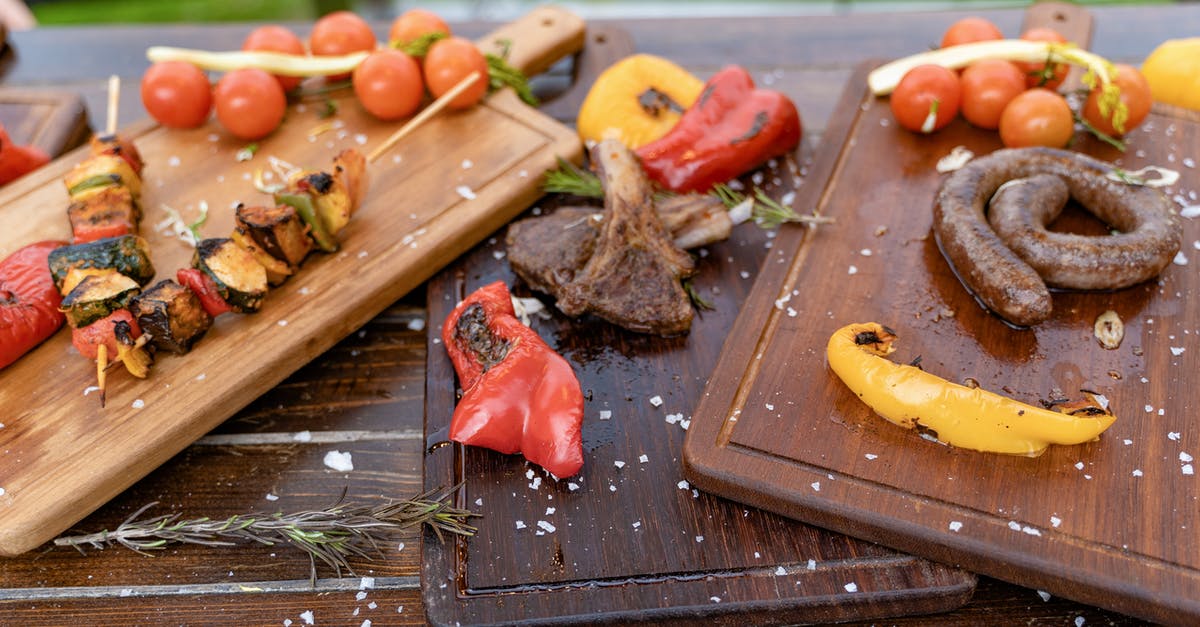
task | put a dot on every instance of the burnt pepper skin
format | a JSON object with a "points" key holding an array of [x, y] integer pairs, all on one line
{"points": [[730, 129], [519, 396]]}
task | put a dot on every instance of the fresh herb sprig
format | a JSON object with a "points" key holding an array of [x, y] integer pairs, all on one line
{"points": [[501, 74], [419, 47], [767, 212], [569, 178], [332, 534]]}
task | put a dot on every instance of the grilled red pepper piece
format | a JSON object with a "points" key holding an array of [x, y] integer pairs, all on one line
{"points": [[105, 331], [731, 128], [519, 395], [205, 289], [17, 161], [120, 146], [28, 301]]}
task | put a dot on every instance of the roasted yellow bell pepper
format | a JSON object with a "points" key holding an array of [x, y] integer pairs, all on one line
{"points": [[641, 96], [971, 418], [1173, 71]]}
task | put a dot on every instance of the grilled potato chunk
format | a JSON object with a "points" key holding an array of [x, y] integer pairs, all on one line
{"points": [[172, 315]]}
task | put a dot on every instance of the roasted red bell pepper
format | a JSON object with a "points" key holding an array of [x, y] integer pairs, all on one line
{"points": [[205, 289], [17, 161], [119, 146], [106, 331], [28, 301], [519, 396], [731, 128]]}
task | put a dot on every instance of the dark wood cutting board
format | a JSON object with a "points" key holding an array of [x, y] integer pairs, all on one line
{"points": [[629, 539], [53, 120], [1111, 523]]}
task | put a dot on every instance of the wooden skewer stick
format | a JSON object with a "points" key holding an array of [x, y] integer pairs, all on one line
{"points": [[428, 112], [114, 96], [101, 369]]}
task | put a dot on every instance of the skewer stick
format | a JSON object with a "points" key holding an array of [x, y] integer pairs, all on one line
{"points": [[101, 369], [114, 96], [428, 112]]}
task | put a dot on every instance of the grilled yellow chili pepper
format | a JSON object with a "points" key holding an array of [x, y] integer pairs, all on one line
{"points": [[970, 418]]}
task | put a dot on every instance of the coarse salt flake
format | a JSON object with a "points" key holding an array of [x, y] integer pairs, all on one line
{"points": [[272, 497], [138, 403], [1079, 465], [683, 484], [1191, 211], [572, 486], [339, 461], [282, 323], [780, 571], [1079, 621], [955, 526], [416, 324], [637, 524], [605, 414], [871, 456], [466, 164], [307, 617], [643, 459], [1184, 457], [1149, 409], [1173, 436], [612, 488], [529, 474], [465, 192], [699, 538], [619, 464], [1180, 259], [1187, 469], [479, 502], [1014, 525], [545, 526], [812, 564], [536, 483], [1137, 472], [1045, 595], [303, 436], [816, 486], [852, 270], [715, 599], [866, 252], [550, 511], [366, 583], [520, 524], [851, 587], [656, 401], [360, 139], [1177, 350]]}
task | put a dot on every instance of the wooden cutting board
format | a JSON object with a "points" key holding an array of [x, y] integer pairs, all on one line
{"points": [[433, 196], [629, 539], [1111, 523], [55, 121]]}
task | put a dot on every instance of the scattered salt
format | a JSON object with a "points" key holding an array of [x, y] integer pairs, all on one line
{"points": [[852, 270], [303, 436], [416, 324], [699, 538], [1187, 469], [308, 617], [871, 456], [173, 161], [339, 461], [465, 192], [1180, 259], [1177, 350], [572, 486], [780, 571], [683, 484], [1184, 457], [656, 401], [955, 526], [812, 564], [619, 464], [139, 403], [866, 252], [282, 323], [1173, 436], [520, 524], [1137, 472], [643, 459], [272, 497], [605, 414], [360, 139], [816, 486], [358, 597], [545, 526], [715, 599], [466, 164], [1079, 465], [536, 483], [637, 524], [851, 587], [1045, 595], [1, 491]]}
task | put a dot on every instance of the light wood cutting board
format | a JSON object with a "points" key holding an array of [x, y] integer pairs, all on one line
{"points": [[434, 195], [1111, 523]]}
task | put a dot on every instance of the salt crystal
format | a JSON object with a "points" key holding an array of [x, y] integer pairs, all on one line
{"points": [[1177, 350], [1014, 525], [643, 459], [173, 161], [304, 291], [605, 414], [812, 564], [139, 403], [1137, 472], [1173, 436], [572, 486], [358, 597], [683, 484], [1149, 409], [816, 486], [529, 473], [416, 324], [637, 524], [871, 456], [465, 192], [1180, 259], [852, 270], [536, 483], [545, 526], [400, 547], [1079, 621], [466, 164], [1128, 441], [1045, 595], [699, 538], [1, 491], [1187, 469], [955, 526], [715, 599], [307, 617], [851, 587], [339, 461], [1079, 465], [550, 510], [372, 605], [780, 571], [360, 139], [303, 436], [866, 252], [271, 497], [1184, 457], [520, 524], [656, 401], [744, 274], [619, 464], [282, 323], [1191, 211], [612, 488]]}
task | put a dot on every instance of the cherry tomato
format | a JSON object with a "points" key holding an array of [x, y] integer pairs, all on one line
{"points": [[274, 38], [969, 30], [414, 24], [926, 98], [388, 84], [451, 60], [1040, 74], [250, 103], [987, 87], [176, 94], [1135, 93], [1037, 117]]}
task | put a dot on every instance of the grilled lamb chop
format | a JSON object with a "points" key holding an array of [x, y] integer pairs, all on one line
{"points": [[623, 268]]}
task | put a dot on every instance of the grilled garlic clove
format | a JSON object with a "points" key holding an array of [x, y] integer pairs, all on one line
{"points": [[1109, 329]]}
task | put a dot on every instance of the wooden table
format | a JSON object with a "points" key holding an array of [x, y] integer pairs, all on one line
{"points": [[366, 395]]}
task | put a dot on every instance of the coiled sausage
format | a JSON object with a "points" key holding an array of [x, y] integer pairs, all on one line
{"points": [[1011, 278]]}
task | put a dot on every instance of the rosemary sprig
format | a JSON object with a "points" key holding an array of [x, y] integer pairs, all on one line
{"points": [[1101, 135], [501, 74], [331, 535], [694, 295], [569, 178], [767, 212]]}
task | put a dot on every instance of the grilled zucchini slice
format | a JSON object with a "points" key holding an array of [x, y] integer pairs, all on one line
{"points": [[241, 281], [127, 254], [277, 230], [172, 315], [96, 296]]}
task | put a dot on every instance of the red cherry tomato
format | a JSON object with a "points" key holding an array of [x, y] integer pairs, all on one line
{"points": [[451, 60], [987, 87], [274, 38], [177, 94], [969, 30], [414, 24], [1135, 93], [341, 32], [388, 84], [250, 103], [1037, 117], [1041, 74], [926, 98]]}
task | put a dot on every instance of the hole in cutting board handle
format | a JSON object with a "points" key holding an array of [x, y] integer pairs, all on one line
{"points": [[548, 21]]}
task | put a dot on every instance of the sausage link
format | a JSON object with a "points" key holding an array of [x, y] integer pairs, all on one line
{"points": [[1011, 278]]}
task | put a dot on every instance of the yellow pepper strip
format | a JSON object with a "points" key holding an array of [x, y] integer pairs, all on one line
{"points": [[1173, 71], [274, 62], [641, 96], [971, 418]]}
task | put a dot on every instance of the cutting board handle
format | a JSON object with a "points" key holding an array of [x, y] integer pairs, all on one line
{"points": [[538, 39]]}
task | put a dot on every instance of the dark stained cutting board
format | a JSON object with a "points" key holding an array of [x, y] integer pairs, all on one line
{"points": [[629, 539], [53, 120], [1111, 523]]}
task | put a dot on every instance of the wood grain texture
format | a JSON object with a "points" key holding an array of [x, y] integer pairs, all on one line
{"points": [[783, 433], [53, 120], [455, 179]]}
